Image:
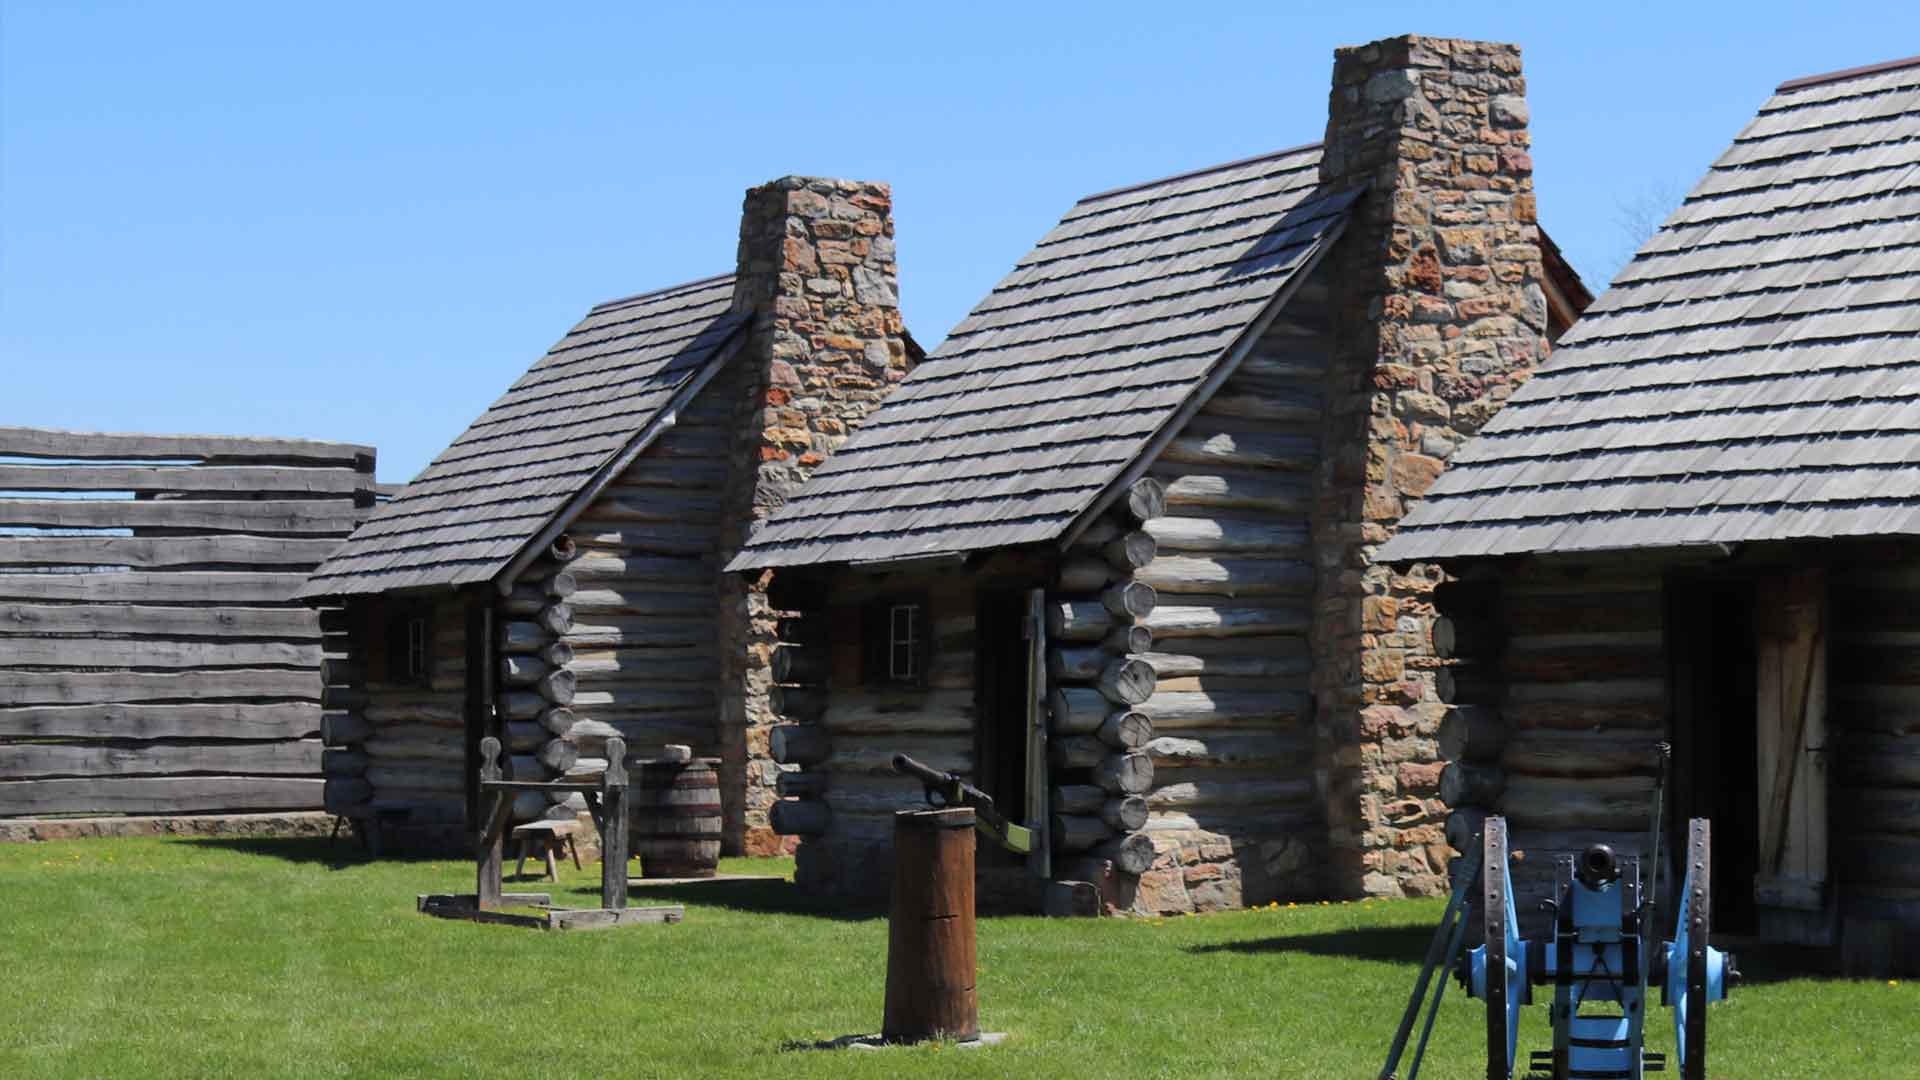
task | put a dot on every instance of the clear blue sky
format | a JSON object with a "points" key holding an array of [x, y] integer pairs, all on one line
{"points": [[362, 222]]}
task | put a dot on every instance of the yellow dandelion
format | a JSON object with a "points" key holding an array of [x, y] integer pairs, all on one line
{"points": [[1893, 982], [1291, 905]]}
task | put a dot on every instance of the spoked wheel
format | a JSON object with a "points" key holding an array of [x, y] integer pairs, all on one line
{"points": [[1698, 914], [1498, 904]]}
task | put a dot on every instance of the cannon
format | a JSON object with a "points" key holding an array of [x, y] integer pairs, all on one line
{"points": [[1599, 961]]}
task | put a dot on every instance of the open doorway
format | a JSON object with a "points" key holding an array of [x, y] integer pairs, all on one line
{"points": [[1713, 682], [1000, 700]]}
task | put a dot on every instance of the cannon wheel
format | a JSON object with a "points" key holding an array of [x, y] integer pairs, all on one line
{"points": [[1493, 874], [1699, 916]]}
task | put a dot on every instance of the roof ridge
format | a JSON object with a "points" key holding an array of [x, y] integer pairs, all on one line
{"points": [[685, 286], [1222, 167], [1848, 73]]}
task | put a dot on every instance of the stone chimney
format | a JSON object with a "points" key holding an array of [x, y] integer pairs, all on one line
{"points": [[1438, 313], [816, 269]]}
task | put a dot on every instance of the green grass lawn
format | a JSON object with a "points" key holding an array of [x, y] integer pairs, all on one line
{"points": [[150, 958]]}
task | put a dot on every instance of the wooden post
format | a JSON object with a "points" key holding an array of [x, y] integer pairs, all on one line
{"points": [[930, 934], [493, 830], [613, 834]]}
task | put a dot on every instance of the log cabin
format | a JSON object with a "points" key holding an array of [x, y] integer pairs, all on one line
{"points": [[1697, 526], [1106, 551], [552, 578]]}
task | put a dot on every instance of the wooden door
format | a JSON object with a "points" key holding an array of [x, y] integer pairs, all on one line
{"points": [[1791, 732]]}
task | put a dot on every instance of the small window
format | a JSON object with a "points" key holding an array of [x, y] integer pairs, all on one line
{"points": [[409, 647], [896, 642], [903, 643]]}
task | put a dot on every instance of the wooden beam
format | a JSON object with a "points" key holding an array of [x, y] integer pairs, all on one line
{"points": [[33, 442], [191, 721], [180, 586], [83, 687], [159, 795], [335, 517], [26, 760], [251, 479]]}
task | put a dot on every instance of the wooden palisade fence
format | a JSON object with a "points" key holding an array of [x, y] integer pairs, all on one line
{"points": [[151, 659]]}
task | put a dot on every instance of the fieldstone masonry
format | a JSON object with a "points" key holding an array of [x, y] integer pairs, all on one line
{"points": [[1438, 315], [816, 268]]}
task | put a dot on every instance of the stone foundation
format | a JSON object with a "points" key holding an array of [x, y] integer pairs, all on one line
{"points": [[303, 823]]}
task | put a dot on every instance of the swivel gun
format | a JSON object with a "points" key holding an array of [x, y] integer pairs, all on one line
{"points": [[945, 789]]}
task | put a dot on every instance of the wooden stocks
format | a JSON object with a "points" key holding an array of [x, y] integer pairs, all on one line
{"points": [[930, 943]]}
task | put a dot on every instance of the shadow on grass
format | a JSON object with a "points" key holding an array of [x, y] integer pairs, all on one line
{"points": [[756, 895], [311, 850], [1758, 964]]}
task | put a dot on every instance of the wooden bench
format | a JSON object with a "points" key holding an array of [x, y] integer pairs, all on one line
{"points": [[553, 838]]}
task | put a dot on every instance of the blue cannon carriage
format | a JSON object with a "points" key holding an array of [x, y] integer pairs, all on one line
{"points": [[1599, 962]]}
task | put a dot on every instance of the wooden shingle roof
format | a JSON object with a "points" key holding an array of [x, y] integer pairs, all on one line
{"points": [[1063, 374], [506, 477], [1753, 374]]}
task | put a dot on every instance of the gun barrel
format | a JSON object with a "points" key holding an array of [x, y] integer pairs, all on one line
{"points": [[923, 773]]}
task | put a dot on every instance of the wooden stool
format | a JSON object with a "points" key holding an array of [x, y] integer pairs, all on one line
{"points": [[554, 838]]}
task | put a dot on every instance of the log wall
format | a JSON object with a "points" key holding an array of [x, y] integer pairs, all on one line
{"points": [[152, 660], [1233, 812], [1874, 716], [644, 635], [832, 749]]}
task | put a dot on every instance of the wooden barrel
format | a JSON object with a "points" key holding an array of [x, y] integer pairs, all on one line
{"points": [[676, 818]]}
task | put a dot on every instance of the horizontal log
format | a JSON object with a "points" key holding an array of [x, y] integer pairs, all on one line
{"points": [[33, 442], [337, 728], [251, 479], [188, 721], [1125, 813], [1560, 665], [599, 701], [680, 601], [419, 745], [601, 569], [1465, 828], [620, 667], [799, 744], [1873, 760], [336, 671], [1129, 773], [92, 687], [152, 553], [1472, 733], [525, 637], [797, 703], [337, 697], [799, 817], [1232, 536], [806, 784], [1077, 664], [1286, 453], [1128, 639], [557, 755], [156, 654], [1171, 711], [1881, 810], [1207, 621], [1144, 500], [1880, 859], [1125, 729], [347, 791], [930, 712], [533, 598], [629, 631], [1074, 832], [1126, 681], [556, 618], [1648, 715], [1187, 789], [177, 586], [1129, 551], [1077, 710], [1464, 685], [1084, 574], [1129, 600], [1463, 784], [524, 736], [1077, 799], [523, 670], [1265, 749], [415, 778], [874, 797], [159, 795], [1228, 576], [21, 761], [441, 710], [1282, 658], [1238, 490], [1303, 822], [342, 762], [648, 539], [1131, 854], [650, 504], [1616, 803], [1472, 638], [1078, 620], [1581, 753], [281, 624], [800, 664], [873, 755], [1076, 751]]}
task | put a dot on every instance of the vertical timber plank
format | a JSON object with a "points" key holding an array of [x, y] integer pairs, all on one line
{"points": [[613, 836]]}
